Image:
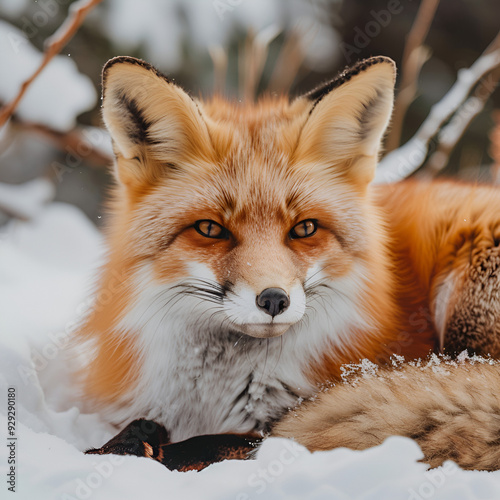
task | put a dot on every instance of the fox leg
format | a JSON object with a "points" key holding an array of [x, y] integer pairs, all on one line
{"points": [[201, 451], [467, 300], [145, 438]]}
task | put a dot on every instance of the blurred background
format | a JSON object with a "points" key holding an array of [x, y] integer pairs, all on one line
{"points": [[240, 48]]}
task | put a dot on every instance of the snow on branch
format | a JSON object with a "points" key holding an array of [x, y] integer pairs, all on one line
{"points": [[405, 160], [454, 130], [54, 44]]}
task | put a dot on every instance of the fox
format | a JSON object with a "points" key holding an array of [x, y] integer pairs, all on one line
{"points": [[250, 258]]}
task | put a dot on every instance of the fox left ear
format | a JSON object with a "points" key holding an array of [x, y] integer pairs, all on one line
{"points": [[154, 124], [347, 120]]}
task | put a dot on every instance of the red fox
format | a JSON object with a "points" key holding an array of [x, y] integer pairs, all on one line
{"points": [[250, 257]]}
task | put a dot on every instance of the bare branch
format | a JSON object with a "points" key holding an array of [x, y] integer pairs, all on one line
{"points": [[219, 60], [85, 142], [254, 57], [54, 44], [288, 64], [414, 57]]}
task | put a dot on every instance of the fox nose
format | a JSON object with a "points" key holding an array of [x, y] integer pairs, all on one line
{"points": [[273, 301]]}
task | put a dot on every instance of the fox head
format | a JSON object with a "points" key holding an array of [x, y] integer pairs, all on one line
{"points": [[249, 208]]}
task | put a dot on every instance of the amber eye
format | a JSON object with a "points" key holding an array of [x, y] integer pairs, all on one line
{"points": [[304, 229], [211, 229]]}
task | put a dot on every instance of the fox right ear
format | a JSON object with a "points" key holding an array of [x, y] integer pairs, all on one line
{"points": [[153, 122], [347, 120]]}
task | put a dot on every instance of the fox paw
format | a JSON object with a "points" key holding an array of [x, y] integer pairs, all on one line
{"points": [[142, 438], [145, 438]]}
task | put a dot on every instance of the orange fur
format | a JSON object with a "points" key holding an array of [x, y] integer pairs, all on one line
{"points": [[258, 170]]}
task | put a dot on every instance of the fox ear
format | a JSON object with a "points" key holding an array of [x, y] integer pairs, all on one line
{"points": [[348, 118], [154, 124]]}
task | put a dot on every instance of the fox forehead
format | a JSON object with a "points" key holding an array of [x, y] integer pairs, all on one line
{"points": [[254, 173], [272, 120]]}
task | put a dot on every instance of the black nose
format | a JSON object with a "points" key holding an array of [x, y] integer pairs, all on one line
{"points": [[273, 301]]}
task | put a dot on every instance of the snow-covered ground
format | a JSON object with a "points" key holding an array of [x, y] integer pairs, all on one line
{"points": [[45, 272]]}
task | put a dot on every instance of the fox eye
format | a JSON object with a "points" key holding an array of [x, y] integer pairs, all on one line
{"points": [[210, 229], [304, 229]]}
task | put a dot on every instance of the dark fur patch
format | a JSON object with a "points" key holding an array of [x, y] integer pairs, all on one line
{"points": [[473, 324], [368, 115], [201, 451], [145, 438], [318, 93], [137, 126], [141, 438]]}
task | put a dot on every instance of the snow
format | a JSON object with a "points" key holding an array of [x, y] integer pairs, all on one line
{"points": [[57, 96], [25, 200], [13, 8], [46, 269]]}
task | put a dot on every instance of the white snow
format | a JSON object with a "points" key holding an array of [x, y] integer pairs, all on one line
{"points": [[13, 8], [57, 96], [46, 265], [25, 200]]}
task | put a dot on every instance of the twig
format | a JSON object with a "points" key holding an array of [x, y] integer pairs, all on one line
{"points": [[405, 160], [53, 45], [219, 60], [414, 57], [91, 143], [254, 57], [288, 64]]}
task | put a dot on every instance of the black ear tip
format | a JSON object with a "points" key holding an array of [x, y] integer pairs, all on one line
{"points": [[123, 60], [371, 61], [349, 72], [377, 60], [131, 61]]}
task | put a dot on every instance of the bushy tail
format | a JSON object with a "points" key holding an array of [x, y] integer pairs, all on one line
{"points": [[452, 409]]}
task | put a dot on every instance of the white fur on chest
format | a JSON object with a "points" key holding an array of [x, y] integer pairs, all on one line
{"points": [[198, 377]]}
